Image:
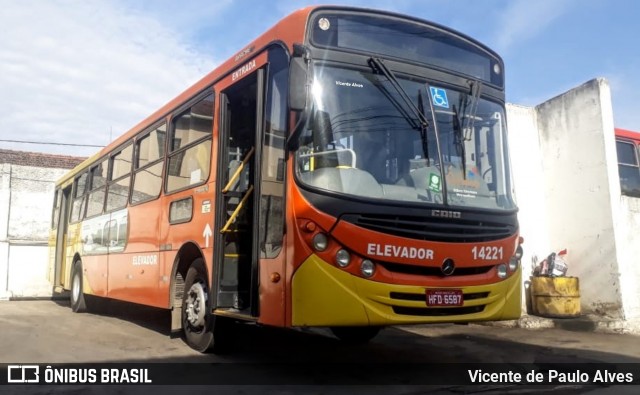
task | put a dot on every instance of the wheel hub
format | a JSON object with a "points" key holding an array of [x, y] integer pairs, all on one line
{"points": [[196, 303], [75, 288]]}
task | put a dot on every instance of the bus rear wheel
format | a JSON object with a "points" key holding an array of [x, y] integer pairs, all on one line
{"points": [[203, 331], [355, 334], [78, 303]]}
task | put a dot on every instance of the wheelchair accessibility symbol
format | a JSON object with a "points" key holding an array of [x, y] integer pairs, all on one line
{"points": [[439, 97]]}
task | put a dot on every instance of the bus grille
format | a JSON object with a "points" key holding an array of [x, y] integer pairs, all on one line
{"points": [[433, 229], [433, 271], [437, 312]]}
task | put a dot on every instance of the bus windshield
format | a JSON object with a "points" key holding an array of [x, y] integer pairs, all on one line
{"points": [[363, 140]]}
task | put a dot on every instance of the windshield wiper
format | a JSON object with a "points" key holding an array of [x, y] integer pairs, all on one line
{"points": [[459, 141], [476, 87], [378, 66], [463, 122], [423, 129]]}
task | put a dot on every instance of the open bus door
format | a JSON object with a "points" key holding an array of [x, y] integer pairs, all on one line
{"points": [[59, 233], [236, 257]]}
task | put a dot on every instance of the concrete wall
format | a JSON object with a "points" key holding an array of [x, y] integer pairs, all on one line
{"points": [[627, 234], [529, 180], [5, 199], [580, 166], [568, 190], [28, 271], [26, 200]]}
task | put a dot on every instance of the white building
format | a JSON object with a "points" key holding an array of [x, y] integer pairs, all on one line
{"points": [[26, 200], [565, 167]]}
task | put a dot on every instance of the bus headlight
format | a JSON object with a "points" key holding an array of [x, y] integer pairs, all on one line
{"points": [[513, 264], [515, 259], [367, 268], [502, 270], [519, 252], [342, 258], [320, 242]]}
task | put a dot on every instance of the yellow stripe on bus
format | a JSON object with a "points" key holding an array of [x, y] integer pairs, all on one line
{"points": [[324, 295]]}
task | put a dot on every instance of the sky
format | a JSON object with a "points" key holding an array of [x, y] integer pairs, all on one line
{"points": [[76, 74]]}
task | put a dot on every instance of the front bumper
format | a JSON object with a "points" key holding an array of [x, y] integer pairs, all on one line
{"points": [[324, 295]]}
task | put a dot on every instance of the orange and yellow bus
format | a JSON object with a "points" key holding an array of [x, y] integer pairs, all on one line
{"points": [[347, 169]]}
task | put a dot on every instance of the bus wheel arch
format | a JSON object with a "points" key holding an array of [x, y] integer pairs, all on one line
{"points": [[76, 260], [203, 331], [191, 284], [77, 297], [196, 319], [186, 256]]}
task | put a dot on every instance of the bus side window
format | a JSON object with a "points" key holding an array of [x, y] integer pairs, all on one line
{"points": [[98, 187], [119, 179], [149, 162], [79, 198], [628, 168], [57, 201], [190, 146]]}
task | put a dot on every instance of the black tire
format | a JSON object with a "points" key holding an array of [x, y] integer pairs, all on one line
{"points": [[355, 334], [78, 302], [203, 331]]}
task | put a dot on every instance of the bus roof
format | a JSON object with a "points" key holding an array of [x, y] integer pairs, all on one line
{"points": [[629, 134]]}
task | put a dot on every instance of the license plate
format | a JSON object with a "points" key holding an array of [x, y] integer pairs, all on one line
{"points": [[444, 297]]}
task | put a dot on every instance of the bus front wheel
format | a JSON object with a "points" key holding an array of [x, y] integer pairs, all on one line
{"points": [[355, 334], [203, 331], [78, 303]]}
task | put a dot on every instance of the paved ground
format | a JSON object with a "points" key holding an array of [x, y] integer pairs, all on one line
{"points": [[48, 332]]}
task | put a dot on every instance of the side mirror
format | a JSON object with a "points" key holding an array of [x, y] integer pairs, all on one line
{"points": [[299, 90], [299, 78], [298, 84]]}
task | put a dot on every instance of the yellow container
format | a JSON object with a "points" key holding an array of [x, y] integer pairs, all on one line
{"points": [[555, 296]]}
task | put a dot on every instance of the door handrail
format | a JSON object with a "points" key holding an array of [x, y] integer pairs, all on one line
{"points": [[238, 170], [237, 210]]}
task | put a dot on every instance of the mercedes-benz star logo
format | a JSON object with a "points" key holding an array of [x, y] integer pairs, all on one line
{"points": [[448, 267]]}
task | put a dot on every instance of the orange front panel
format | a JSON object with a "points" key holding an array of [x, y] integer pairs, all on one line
{"points": [[272, 291], [296, 250], [380, 247], [426, 257]]}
